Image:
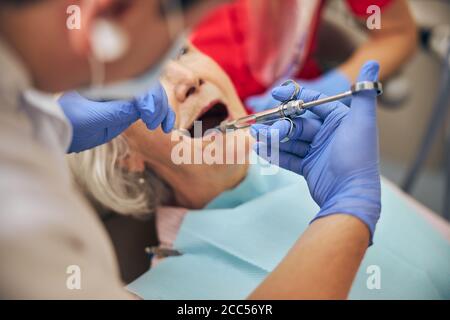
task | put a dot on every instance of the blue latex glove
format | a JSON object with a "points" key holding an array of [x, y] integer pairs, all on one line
{"points": [[95, 123], [331, 83], [339, 158]]}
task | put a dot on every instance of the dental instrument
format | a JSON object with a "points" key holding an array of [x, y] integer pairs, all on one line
{"points": [[162, 252], [293, 108]]}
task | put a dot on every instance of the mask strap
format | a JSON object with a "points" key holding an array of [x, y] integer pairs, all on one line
{"points": [[98, 72], [175, 24]]}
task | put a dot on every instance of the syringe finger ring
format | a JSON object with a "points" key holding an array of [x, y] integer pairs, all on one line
{"points": [[291, 130]]}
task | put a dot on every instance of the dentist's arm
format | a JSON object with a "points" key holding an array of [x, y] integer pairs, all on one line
{"points": [[335, 148], [322, 264], [391, 45]]}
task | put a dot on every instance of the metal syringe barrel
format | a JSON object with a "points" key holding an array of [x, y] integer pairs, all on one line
{"points": [[295, 108]]}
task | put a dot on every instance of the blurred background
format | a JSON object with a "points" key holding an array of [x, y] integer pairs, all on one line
{"points": [[408, 112]]}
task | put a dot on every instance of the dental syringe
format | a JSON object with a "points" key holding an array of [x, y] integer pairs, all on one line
{"points": [[292, 108]]}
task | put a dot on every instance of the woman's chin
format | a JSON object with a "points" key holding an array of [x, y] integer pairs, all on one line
{"points": [[227, 149]]}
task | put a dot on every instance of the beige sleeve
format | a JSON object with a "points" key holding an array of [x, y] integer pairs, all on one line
{"points": [[41, 266], [47, 229]]}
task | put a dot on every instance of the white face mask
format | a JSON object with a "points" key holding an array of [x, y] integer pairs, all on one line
{"points": [[110, 43], [128, 89]]}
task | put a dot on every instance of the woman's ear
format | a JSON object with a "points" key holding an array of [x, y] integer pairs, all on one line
{"points": [[133, 162]]}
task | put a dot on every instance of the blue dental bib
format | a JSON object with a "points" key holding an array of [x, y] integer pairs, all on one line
{"points": [[230, 246]]}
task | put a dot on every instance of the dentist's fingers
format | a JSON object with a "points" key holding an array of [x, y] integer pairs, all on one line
{"points": [[323, 110], [284, 92], [305, 129], [369, 72], [169, 121], [98, 114], [364, 103], [290, 162], [152, 112], [308, 114], [154, 107], [162, 107], [284, 160], [297, 148]]}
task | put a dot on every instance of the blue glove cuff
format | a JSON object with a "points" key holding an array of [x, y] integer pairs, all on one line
{"points": [[369, 219], [361, 199]]}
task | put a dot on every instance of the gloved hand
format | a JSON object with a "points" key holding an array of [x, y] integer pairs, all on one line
{"points": [[95, 123], [331, 83], [338, 157]]}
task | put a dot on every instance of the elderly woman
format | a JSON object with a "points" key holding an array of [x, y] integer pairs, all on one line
{"points": [[122, 175], [232, 224]]}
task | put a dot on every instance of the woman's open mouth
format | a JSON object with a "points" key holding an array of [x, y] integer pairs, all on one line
{"points": [[214, 115]]}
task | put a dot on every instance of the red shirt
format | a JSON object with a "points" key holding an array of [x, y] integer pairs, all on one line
{"points": [[222, 36]]}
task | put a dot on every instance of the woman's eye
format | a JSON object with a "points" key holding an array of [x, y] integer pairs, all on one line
{"points": [[182, 52]]}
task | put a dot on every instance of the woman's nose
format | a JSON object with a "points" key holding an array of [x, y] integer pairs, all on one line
{"points": [[187, 87], [186, 82]]}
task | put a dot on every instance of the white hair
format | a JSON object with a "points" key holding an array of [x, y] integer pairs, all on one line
{"points": [[102, 178]]}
